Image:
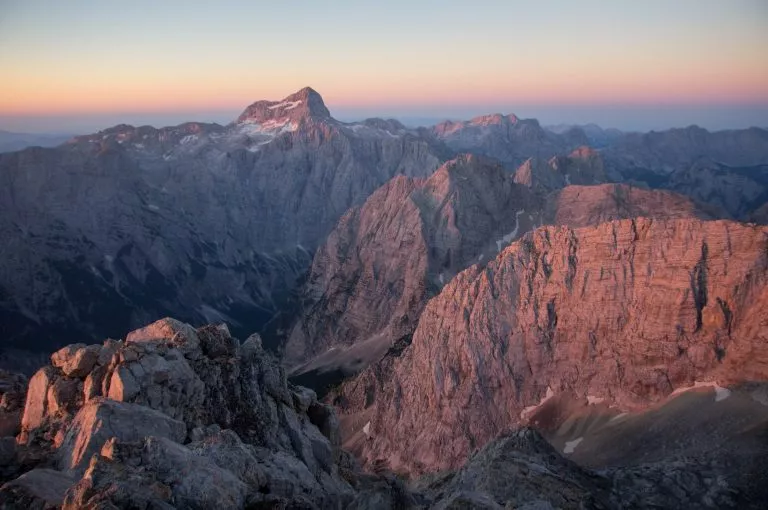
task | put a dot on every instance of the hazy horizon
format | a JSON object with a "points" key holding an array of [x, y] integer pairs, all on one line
{"points": [[623, 117]]}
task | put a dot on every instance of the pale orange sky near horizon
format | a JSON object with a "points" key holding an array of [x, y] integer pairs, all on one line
{"points": [[86, 58]]}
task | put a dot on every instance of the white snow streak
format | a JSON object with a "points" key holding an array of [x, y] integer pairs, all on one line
{"points": [[760, 395], [570, 446], [507, 238], [270, 127], [288, 105], [720, 392], [619, 416]]}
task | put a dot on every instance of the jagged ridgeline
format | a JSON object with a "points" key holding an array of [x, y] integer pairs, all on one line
{"points": [[199, 221]]}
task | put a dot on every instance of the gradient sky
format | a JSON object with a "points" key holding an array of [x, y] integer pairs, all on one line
{"points": [[80, 65]]}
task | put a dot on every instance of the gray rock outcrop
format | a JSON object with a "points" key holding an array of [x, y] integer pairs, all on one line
{"points": [[178, 417], [507, 138]]}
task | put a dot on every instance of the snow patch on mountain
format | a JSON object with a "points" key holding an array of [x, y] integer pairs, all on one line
{"points": [[570, 446], [720, 392], [287, 105], [271, 127], [509, 237]]}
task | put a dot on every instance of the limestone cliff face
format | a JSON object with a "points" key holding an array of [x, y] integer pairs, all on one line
{"points": [[626, 311], [178, 417], [383, 261], [370, 280]]}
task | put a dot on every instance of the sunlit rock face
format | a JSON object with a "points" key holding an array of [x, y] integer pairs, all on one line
{"points": [[372, 278], [626, 311]]}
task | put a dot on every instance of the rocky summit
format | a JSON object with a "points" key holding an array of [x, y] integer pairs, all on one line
{"points": [[174, 417]]}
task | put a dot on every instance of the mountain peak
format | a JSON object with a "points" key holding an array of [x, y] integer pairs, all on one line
{"points": [[302, 104], [494, 119], [468, 170]]}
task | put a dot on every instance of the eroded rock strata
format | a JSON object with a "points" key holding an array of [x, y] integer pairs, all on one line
{"points": [[626, 312], [371, 279]]}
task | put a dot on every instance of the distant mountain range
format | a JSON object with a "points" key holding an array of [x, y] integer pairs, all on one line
{"points": [[10, 141], [209, 222]]}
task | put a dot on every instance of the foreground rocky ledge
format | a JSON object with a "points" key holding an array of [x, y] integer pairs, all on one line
{"points": [[177, 417], [173, 417]]}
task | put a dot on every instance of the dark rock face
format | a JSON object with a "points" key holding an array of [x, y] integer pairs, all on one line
{"points": [[627, 311], [13, 388], [664, 152], [521, 470], [205, 222], [541, 475], [42, 489], [741, 191]]}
